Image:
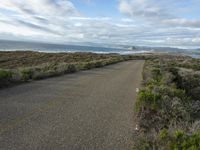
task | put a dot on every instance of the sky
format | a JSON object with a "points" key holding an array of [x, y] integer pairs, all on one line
{"points": [[174, 23]]}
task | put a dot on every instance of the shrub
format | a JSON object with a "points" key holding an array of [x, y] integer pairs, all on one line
{"points": [[157, 75], [98, 64], [191, 83], [141, 142], [195, 107], [88, 65], [163, 134], [50, 66], [26, 74], [5, 75], [183, 141], [147, 98], [71, 68], [171, 92], [152, 83], [107, 62], [44, 74]]}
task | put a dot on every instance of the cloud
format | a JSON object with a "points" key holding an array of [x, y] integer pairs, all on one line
{"points": [[144, 9], [39, 14], [143, 22], [163, 23], [182, 22], [91, 18], [153, 11]]}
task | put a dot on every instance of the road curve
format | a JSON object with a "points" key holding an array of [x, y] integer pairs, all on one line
{"points": [[88, 110]]}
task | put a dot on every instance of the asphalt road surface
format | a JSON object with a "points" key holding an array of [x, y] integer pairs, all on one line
{"points": [[88, 110]]}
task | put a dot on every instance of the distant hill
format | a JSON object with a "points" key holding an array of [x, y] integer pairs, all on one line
{"points": [[191, 52]]}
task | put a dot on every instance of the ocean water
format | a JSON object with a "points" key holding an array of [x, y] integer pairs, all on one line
{"points": [[44, 47], [55, 48]]}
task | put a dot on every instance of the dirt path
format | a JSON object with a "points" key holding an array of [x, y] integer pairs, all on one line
{"points": [[90, 110]]}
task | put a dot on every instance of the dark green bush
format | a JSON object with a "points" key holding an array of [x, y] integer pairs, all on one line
{"points": [[71, 68], [5, 75], [182, 141], [167, 140], [191, 84], [146, 98], [26, 74], [98, 64], [89, 65], [157, 75], [163, 134], [172, 92]]}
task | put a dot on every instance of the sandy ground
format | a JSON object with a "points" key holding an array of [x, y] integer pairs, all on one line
{"points": [[89, 110]]}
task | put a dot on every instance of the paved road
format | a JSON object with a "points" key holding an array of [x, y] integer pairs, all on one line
{"points": [[89, 110]]}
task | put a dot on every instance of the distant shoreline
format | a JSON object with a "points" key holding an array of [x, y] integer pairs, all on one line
{"points": [[101, 49]]}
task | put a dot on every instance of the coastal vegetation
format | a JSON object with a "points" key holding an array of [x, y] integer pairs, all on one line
{"points": [[167, 109], [168, 104], [23, 66]]}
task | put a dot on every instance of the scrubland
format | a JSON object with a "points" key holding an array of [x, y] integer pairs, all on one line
{"points": [[22, 66], [167, 109], [168, 104]]}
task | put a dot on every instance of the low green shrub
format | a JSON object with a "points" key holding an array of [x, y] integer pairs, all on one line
{"points": [[168, 140], [71, 68], [152, 83], [88, 65], [26, 74], [148, 99], [157, 75], [163, 134], [50, 66], [98, 64], [5, 75], [182, 141], [107, 62], [44, 74]]}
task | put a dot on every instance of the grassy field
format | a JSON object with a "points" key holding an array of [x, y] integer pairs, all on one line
{"points": [[23, 66], [168, 105]]}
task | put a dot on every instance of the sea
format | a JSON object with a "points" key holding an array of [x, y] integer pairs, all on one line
{"points": [[6, 45], [55, 48]]}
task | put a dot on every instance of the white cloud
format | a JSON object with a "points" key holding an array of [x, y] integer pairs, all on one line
{"points": [[145, 22], [127, 20], [90, 18], [41, 15], [182, 22], [164, 25], [144, 9], [153, 11]]}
